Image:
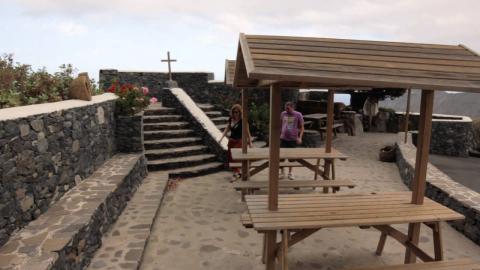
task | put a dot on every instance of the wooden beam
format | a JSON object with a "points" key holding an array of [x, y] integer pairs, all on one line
{"points": [[275, 125], [328, 143], [403, 239], [421, 162], [407, 115], [423, 146], [245, 169]]}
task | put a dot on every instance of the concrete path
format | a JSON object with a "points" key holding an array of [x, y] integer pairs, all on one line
{"points": [[465, 171], [198, 225]]}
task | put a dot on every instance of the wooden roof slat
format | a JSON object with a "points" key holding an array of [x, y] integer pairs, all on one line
{"points": [[368, 70], [298, 48], [368, 63], [351, 56], [320, 62], [354, 41], [361, 46], [229, 71], [359, 79]]}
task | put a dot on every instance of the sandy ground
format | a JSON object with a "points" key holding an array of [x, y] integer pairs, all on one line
{"points": [[198, 226]]}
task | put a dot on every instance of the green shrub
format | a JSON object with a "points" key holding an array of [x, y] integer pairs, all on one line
{"points": [[20, 85]]}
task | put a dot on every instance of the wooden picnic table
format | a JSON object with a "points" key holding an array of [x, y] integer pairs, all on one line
{"points": [[304, 214], [300, 155]]}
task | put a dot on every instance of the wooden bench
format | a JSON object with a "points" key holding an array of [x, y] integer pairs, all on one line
{"points": [[461, 264], [334, 128], [260, 163], [250, 186]]}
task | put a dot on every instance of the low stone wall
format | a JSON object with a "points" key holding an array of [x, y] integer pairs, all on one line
{"points": [[179, 99], [444, 190], [69, 233], [47, 149]]}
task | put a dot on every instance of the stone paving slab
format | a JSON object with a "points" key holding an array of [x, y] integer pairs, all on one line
{"points": [[67, 234], [199, 227], [123, 245]]}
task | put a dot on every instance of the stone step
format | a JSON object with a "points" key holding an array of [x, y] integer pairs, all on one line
{"points": [[165, 134], [194, 171], [222, 127], [220, 120], [175, 152], [165, 126], [206, 107], [171, 143], [161, 118], [213, 114], [180, 162], [123, 245], [160, 111], [69, 232]]}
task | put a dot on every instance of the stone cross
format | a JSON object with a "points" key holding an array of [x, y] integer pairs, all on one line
{"points": [[169, 68]]}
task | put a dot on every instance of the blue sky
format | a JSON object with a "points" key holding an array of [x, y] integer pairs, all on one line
{"points": [[135, 35]]}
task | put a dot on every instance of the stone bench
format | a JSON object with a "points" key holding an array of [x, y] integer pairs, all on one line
{"points": [[67, 235]]}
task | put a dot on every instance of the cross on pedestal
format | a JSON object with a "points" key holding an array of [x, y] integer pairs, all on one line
{"points": [[169, 68]]}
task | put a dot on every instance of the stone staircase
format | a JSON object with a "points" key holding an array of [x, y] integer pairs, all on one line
{"points": [[218, 118], [170, 145], [221, 120]]}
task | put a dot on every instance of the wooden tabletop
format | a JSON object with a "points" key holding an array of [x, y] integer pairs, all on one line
{"points": [[315, 116], [290, 153], [317, 210]]}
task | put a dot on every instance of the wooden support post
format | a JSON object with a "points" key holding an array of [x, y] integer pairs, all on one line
{"points": [[270, 249], [274, 160], [328, 142], [421, 162], [245, 164], [407, 115]]}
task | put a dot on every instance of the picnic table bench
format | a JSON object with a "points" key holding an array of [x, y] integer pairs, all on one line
{"points": [[250, 186], [304, 214], [460, 264]]}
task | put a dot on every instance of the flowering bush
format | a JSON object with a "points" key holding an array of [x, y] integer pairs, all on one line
{"points": [[131, 99]]}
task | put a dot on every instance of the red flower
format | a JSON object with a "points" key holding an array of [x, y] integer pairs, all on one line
{"points": [[111, 89]]}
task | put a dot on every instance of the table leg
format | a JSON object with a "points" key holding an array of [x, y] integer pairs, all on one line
{"points": [[437, 240], [381, 244], [413, 237], [264, 248], [326, 172], [270, 252], [284, 262], [316, 171]]}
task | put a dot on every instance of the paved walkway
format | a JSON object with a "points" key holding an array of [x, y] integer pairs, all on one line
{"points": [[465, 171], [198, 226]]}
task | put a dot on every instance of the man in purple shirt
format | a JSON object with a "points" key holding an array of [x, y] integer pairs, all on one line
{"points": [[292, 132]]}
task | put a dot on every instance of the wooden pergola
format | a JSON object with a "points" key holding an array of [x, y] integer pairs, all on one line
{"points": [[283, 61], [229, 71]]}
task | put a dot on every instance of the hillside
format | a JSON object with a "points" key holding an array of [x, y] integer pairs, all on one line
{"points": [[467, 104]]}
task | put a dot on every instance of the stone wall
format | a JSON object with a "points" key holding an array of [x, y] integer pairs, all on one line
{"points": [[444, 190], [452, 135], [200, 86], [129, 133], [47, 149]]}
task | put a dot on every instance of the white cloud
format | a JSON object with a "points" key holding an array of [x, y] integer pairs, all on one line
{"points": [[71, 28]]}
